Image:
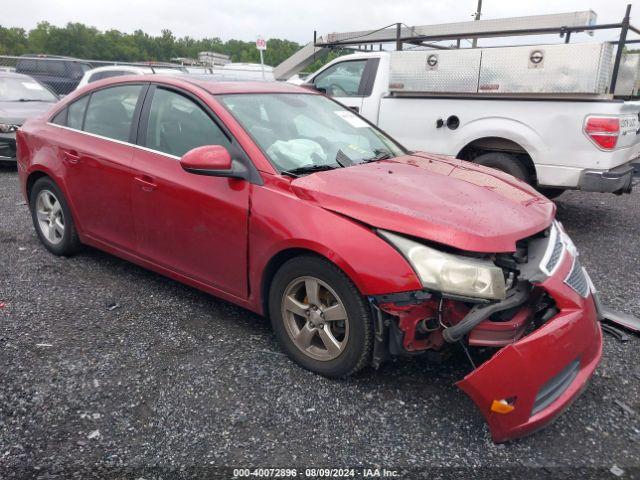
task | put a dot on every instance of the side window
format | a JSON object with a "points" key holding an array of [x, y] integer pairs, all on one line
{"points": [[60, 118], [177, 125], [54, 68], [341, 79], [76, 113], [110, 111]]}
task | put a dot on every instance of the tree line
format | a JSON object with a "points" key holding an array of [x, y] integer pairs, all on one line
{"points": [[82, 41]]}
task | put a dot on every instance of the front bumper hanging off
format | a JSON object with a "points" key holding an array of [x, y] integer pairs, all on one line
{"points": [[540, 375]]}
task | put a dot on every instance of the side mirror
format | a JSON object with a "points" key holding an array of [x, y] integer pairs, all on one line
{"points": [[214, 161]]}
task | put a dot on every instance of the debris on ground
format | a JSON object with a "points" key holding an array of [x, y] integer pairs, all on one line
{"points": [[626, 408], [617, 471], [615, 332]]}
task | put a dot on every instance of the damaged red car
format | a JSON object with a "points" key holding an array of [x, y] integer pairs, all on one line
{"points": [[284, 202]]}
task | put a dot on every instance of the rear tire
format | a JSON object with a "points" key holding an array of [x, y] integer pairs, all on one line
{"points": [[319, 317], [52, 218], [504, 162], [551, 193]]}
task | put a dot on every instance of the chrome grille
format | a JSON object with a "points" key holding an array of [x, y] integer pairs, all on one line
{"points": [[556, 254], [577, 279]]}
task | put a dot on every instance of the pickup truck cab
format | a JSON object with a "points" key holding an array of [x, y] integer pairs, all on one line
{"points": [[553, 143]]}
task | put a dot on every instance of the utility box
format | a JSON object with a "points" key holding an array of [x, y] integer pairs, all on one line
{"points": [[435, 71], [628, 82], [580, 68], [561, 69]]}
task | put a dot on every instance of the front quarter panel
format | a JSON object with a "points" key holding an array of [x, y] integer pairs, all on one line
{"points": [[281, 221]]}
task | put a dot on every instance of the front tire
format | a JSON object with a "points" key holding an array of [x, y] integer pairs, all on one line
{"points": [[319, 317], [52, 218]]}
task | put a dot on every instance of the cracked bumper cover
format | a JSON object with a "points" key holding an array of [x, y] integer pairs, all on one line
{"points": [[543, 372]]}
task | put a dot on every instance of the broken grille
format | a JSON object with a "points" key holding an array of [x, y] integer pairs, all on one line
{"points": [[577, 279]]}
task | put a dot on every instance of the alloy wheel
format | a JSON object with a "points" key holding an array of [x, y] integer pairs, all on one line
{"points": [[315, 318], [50, 217]]}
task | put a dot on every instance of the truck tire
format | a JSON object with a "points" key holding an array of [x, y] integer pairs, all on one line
{"points": [[504, 162], [551, 193]]}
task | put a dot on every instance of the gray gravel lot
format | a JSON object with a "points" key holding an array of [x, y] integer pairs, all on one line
{"points": [[173, 378]]}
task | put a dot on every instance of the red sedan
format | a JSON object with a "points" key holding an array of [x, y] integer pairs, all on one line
{"points": [[288, 204]]}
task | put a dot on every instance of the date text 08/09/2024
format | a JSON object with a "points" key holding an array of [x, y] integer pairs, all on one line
{"points": [[315, 472]]}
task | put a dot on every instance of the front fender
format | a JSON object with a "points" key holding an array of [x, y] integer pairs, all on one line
{"points": [[281, 221]]}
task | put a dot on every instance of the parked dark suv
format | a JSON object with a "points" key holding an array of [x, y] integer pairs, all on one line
{"points": [[61, 74]]}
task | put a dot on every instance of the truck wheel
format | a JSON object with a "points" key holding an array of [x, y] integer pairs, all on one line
{"points": [[319, 317], [52, 218], [504, 162], [551, 193]]}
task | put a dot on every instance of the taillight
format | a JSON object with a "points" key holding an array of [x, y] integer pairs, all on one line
{"points": [[603, 131]]}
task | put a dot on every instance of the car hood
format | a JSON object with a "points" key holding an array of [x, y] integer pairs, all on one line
{"points": [[441, 199], [18, 112]]}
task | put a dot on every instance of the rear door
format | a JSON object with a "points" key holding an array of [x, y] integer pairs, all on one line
{"points": [[192, 224], [96, 152]]}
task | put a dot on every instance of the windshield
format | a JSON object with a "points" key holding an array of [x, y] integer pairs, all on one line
{"points": [[306, 132], [23, 90]]}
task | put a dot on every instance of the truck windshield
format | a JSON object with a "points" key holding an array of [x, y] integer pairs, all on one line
{"points": [[23, 90], [303, 133]]}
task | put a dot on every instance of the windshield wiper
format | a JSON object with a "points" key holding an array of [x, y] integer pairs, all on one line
{"points": [[29, 100], [382, 155], [299, 171]]}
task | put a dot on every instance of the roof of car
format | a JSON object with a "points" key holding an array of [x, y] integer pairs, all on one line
{"points": [[217, 87], [15, 75]]}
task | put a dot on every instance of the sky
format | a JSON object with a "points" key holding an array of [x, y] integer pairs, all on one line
{"points": [[289, 19]]}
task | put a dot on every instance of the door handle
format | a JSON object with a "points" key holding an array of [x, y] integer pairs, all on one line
{"points": [[355, 109], [146, 182], [71, 157]]}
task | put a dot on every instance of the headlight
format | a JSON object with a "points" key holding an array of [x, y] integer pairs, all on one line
{"points": [[447, 273], [8, 128]]}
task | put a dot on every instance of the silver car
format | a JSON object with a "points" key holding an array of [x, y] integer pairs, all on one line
{"points": [[21, 97]]}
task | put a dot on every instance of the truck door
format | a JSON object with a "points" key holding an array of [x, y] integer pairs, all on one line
{"points": [[349, 82]]}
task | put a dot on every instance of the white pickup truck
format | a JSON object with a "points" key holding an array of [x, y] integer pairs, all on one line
{"points": [[553, 142]]}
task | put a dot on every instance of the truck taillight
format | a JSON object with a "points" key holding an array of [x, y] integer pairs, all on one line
{"points": [[603, 131]]}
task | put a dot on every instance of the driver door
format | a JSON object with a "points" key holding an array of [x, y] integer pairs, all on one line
{"points": [[194, 225], [343, 82]]}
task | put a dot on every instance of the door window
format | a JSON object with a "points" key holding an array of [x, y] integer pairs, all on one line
{"points": [[110, 111], [177, 125], [341, 79]]}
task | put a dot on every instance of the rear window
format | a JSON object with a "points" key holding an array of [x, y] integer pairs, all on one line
{"points": [[108, 74], [53, 67], [110, 111], [76, 113]]}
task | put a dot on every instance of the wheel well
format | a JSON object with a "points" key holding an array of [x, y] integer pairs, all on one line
{"points": [[497, 144], [274, 265], [32, 179]]}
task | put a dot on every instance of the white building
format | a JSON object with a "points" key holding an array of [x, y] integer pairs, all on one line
{"points": [[213, 59]]}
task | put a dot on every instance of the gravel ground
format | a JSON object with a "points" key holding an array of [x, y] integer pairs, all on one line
{"points": [[110, 370]]}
